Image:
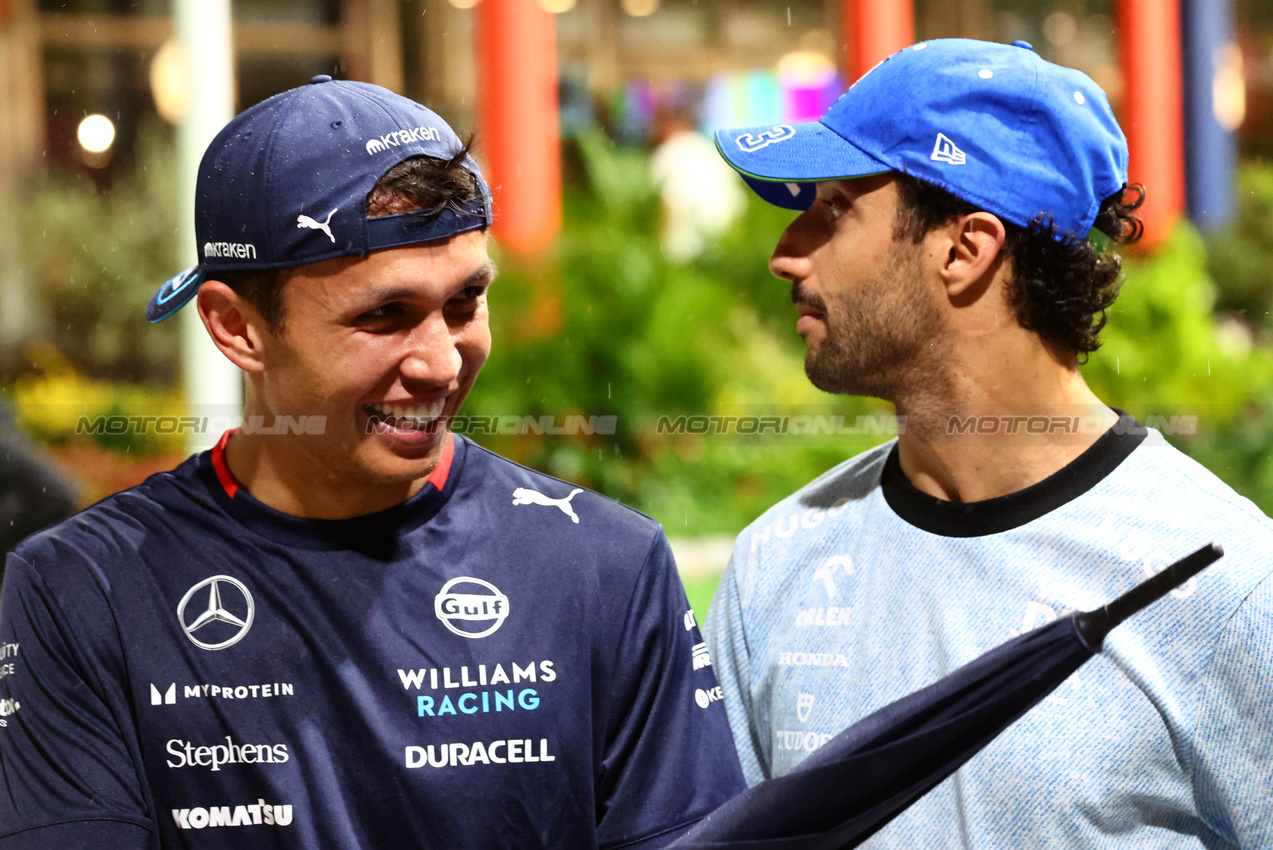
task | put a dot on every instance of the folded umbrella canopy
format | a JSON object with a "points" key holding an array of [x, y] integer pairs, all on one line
{"points": [[870, 772]]}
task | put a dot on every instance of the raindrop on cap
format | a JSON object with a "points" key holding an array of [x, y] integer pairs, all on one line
{"points": [[321, 78], [1019, 43]]}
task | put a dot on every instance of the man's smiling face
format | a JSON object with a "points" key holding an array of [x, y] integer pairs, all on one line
{"points": [[387, 346]]}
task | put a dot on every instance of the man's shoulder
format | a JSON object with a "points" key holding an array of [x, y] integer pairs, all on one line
{"points": [[836, 489], [118, 524], [1158, 472], [1160, 504], [770, 550], [491, 477]]}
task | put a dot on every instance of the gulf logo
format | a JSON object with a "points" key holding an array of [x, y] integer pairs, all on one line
{"points": [[471, 607]]}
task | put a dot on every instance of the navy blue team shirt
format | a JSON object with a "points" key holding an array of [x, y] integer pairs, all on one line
{"points": [[498, 662]]}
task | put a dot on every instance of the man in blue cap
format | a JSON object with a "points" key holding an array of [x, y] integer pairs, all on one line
{"points": [[951, 256], [345, 626]]}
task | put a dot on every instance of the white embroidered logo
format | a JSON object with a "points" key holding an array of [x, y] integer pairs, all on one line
{"points": [[471, 607], [168, 697], [944, 150], [523, 496], [701, 655], [826, 572], [804, 706], [753, 142], [403, 137], [306, 221]]}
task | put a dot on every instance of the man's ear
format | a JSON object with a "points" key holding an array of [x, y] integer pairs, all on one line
{"points": [[974, 252], [234, 325]]}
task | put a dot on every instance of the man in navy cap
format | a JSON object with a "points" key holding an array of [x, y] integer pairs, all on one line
{"points": [[345, 626], [951, 256]]}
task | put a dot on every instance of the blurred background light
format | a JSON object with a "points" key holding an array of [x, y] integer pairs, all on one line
{"points": [[170, 81], [809, 78], [464, 4], [1228, 94], [640, 8], [1060, 28], [805, 68], [557, 7], [96, 135]]}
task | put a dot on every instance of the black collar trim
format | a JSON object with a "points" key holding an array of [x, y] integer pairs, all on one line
{"points": [[992, 516]]}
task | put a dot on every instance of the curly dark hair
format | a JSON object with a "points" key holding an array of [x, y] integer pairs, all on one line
{"points": [[1062, 285], [418, 183]]}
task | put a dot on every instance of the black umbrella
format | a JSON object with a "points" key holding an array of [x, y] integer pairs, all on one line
{"points": [[870, 772]]}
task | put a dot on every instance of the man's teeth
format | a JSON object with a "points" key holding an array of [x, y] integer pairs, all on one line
{"points": [[417, 413]]}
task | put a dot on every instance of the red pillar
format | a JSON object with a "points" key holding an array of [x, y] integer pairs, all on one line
{"points": [[1153, 108], [519, 137], [875, 30]]}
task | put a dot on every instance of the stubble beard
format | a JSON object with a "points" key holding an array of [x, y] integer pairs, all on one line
{"points": [[880, 337]]}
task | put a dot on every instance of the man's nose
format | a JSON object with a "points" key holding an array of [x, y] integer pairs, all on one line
{"points": [[790, 259], [432, 355]]}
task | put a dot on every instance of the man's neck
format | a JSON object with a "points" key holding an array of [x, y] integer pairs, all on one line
{"points": [[998, 423], [296, 481]]}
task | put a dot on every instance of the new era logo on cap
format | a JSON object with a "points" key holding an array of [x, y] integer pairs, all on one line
{"points": [[947, 151]]}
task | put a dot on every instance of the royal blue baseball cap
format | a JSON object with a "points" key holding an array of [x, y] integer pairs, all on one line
{"points": [[285, 183], [993, 124]]}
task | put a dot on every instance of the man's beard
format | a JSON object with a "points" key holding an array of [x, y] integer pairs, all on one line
{"points": [[880, 335]]}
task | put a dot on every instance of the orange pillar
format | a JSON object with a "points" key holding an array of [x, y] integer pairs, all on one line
{"points": [[1153, 108], [519, 136], [875, 30]]}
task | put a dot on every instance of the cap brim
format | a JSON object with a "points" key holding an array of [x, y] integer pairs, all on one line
{"points": [[174, 294], [782, 163]]}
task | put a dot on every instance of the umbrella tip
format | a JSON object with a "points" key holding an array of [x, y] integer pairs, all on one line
{"points": [[1093, 626]]}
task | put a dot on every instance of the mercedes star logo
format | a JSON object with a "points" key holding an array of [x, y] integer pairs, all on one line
{"points": [[217, 612]]}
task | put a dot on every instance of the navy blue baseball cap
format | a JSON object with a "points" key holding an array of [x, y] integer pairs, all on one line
{"points": [[285, 183], [993, 124]]}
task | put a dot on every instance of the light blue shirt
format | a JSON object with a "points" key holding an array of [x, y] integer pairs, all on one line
{"points": [[834, 605]]}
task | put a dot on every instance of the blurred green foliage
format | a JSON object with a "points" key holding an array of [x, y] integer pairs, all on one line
{"points": [[1169, 352], [1166, 352], [59, 405], [1239, 255], [96, 257]]}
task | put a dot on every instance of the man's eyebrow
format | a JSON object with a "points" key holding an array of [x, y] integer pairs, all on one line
{"points": [[484, 274]]}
